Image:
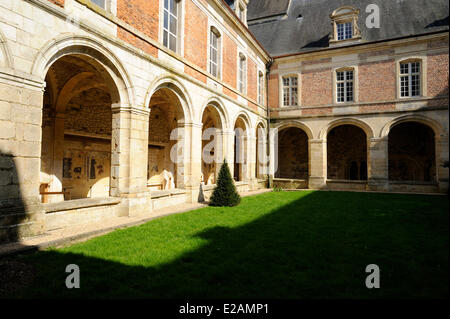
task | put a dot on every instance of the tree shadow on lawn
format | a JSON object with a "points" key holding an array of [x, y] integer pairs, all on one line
{"points": [[317, 246]]}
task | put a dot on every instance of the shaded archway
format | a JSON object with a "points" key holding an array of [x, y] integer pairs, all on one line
{"points": [[292, 154], [77, 129], [166, 112], [411, 149], [347, 153], [212, 144]]}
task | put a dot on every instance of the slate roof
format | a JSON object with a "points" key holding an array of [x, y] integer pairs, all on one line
{"points": [[276, 23]]}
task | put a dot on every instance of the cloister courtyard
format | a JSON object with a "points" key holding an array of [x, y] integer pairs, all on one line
{"points": [[303, 244]]}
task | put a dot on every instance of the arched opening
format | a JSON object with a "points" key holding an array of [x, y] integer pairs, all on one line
{"points": [[347, 153], [76, 130], [292, 154], [240, 149], [165, 113], [211, 145], [260, 152], [411, 152]]}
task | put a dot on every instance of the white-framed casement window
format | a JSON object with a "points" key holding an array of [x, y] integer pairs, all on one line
{"points": [[345, 89], [344, 30], [215, 48], [410, 78], [260, 88], [242, 74], [290, 90], [171, 24]]}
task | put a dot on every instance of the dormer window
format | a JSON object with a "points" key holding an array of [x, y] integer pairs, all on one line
{"points": [[240, 8], [345, 25]]}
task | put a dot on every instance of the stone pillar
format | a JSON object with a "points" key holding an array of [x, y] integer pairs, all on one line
{"points": [[317, 164], [58, 157], [442, 155], [21, 213], [377, 164], [192, 159], [251, 161], [129, 157], [228, 141]]}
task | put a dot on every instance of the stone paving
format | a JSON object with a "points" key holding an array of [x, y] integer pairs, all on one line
{"points": [[70, 235]]}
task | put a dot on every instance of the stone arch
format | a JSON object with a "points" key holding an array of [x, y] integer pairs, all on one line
{"points": [[298, 124], [68, 44], [413, 154], [347, 152], [346, 121], [170, 82], [218, 105], [7, 60], [246, 119], [434, 125]]}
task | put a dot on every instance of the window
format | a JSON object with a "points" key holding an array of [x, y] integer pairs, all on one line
{"points": [[100, 3], [170, 26], [260, 88], [344, 86], [214, 52], [410, 79], [230, 3], [242, 73], [345, 25], [290, 91], [344, 31]]}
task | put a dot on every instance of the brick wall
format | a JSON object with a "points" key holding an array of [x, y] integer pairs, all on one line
{"points": [[229, 61], [195, 35], [437, 66], [58, 2], [316, 87], [377, 81], [251, 80], [141, 14]]}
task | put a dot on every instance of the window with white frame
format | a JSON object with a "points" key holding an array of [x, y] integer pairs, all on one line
{"points": [[242, 73], [170, 25], [344, 86], [100, 3], [214, 52], [290, 91], [260, 88], [410, 79], [344, 31]]}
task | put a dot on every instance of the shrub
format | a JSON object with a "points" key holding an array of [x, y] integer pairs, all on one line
{"points": [[225, 193]]}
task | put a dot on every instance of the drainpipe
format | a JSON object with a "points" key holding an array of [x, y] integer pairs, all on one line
{"points": [[270, 177]]}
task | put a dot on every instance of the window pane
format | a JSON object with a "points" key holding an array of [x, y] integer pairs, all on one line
{"points": [[166, 38], [173, 25], [166, 20], [173, 43], [173, 7], [100, 3]]}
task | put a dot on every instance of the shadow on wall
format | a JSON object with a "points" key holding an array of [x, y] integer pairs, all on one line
{"points": [[306, 245], [12, 210]]}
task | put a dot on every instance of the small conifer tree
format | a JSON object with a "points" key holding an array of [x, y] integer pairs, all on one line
{"points": [[225, 193]]}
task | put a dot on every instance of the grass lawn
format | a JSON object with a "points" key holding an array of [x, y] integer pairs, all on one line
{"points": [[276, 245]]}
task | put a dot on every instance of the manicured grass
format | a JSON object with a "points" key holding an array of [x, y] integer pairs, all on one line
{"points": [[276, 245]]}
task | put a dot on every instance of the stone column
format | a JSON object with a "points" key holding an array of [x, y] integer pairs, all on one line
{"points": [[377, 164], [228, 141], [129, 157], [192, 154], [251, 161], [58, 157], [317, 164], [442, 155], [21, 213]]}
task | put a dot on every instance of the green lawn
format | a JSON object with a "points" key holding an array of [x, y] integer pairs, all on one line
{"points": [[276, 245]]}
